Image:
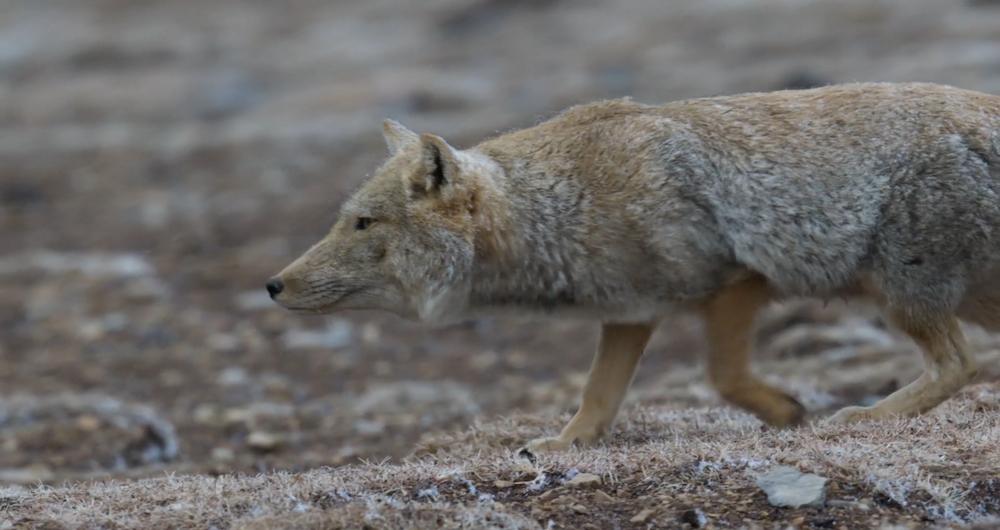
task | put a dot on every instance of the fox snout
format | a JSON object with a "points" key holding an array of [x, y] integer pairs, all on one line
{"points": [[297, 286], [324, 295], [294, 290], [295, 294], [320, 282], [280, 291], [274, 287]]}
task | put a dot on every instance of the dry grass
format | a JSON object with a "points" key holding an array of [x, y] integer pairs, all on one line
{"points": [[941, 468]]}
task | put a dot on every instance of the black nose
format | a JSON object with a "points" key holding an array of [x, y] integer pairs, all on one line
{"points": [[274, 287]]}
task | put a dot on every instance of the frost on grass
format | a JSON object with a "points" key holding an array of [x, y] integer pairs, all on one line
{"points": [[666, 464]]}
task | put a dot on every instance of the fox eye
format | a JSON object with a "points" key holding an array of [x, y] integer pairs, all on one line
{"points": [[363, 223]]}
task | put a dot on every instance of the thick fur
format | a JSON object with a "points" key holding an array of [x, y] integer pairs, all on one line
{"points": [[624, 212]]}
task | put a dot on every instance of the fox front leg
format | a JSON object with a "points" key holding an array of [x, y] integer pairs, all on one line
{"points": [[618, 353], [729, 318]]}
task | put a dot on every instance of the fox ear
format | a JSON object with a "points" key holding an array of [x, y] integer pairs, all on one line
{"points": [[439, 166], [396, 135]]}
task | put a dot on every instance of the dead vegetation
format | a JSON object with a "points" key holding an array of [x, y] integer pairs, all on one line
{"points": [[664, 468]]}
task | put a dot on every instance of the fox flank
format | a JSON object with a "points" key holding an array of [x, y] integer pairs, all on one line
{"points": [[624, 213]]}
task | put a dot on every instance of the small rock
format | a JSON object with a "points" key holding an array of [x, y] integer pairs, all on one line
{"points": [[694, 517], [223, 454], [223, 342], [88, 422], [802, 79], [525, 468], [205, 413], [518, 359], [539, 483], [642, 516], [237, 416], [274, 382], [225, 93], [366, 427], [584, 480], [484, 361], [787, 487], [370, 334], [26, 475], [263, 441], [337, 334], [232, 376], [343, 454], [173, 377], [430, 493], [579, 508], [840, 503], [602, 497], [90, 330], [824, 522], [424, 400], [383, 369], [254, 300], [549, 494]]}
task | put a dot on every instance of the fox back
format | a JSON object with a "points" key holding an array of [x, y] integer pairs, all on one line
{"points": [[624, 211]]}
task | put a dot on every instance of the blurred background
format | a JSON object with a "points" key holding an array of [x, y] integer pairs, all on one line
{"points": [[160, 159]]}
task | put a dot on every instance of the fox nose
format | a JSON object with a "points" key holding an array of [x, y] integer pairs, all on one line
{"points": [[274, 287]]}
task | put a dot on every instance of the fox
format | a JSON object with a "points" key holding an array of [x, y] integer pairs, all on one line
{"points": [[625, 213]]}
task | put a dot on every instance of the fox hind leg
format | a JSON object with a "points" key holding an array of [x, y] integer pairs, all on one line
{"points": [[618, 353], [947, 368]]}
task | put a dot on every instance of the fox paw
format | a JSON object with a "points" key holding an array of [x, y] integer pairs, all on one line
{"points": [[560, 443], [785, 412], [548, 445], [848, 415]]}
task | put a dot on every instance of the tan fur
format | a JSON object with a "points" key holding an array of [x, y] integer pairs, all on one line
{"points": [[614, 365], [625, 213], [729, 318]]}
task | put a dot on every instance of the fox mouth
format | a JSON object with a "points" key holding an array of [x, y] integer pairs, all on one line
{"points": [[327, 306]]}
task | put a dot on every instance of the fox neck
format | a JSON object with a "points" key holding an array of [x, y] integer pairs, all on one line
{"points": [[528, 251]]}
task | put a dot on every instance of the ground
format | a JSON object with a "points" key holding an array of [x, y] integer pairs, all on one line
{"points": [[159, 160], [665, 468]]}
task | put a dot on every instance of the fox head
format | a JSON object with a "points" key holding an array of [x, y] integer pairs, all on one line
{"points": [[404, 242]]}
